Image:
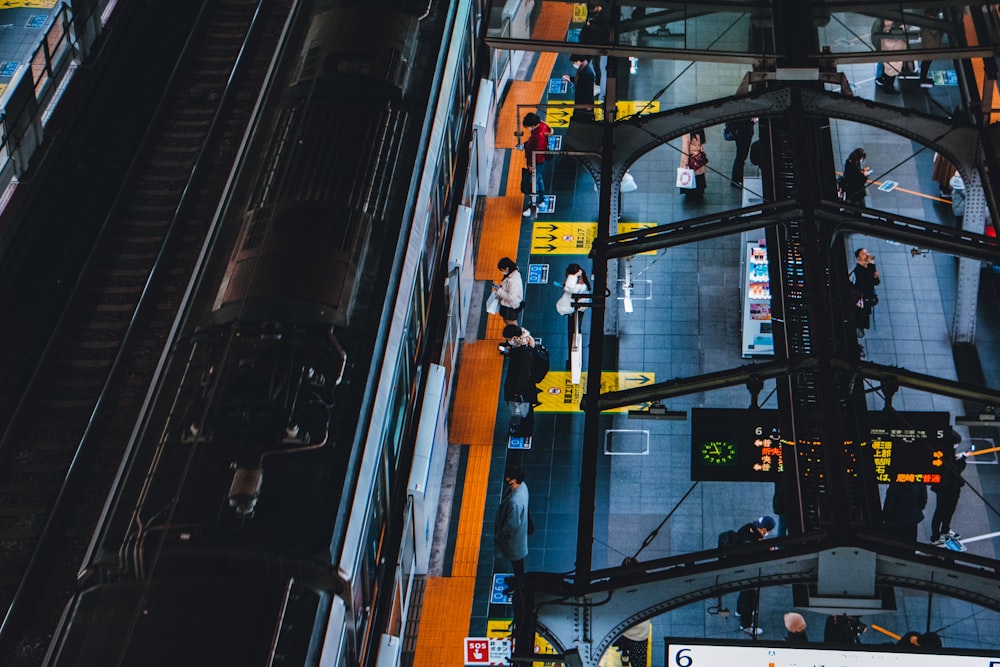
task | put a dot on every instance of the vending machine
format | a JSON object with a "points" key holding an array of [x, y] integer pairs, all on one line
{"points": [[758, 339]]}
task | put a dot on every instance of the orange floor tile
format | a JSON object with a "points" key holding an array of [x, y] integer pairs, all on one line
{"points": [[478, 388]]}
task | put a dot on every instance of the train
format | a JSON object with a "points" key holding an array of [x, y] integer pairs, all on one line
{"points": [[278, 495]]}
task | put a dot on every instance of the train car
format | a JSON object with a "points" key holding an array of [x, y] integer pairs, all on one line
{"points": [[264, 514]]}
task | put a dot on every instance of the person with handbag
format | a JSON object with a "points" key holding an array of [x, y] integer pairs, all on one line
{"points": [[693, 157], [855, 180], [576, 283], [519, 388], [863, 291], [510, 291], [534, 158]]}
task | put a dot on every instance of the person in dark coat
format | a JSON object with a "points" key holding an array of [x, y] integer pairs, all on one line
{"points": [[866, 278], [796, 626], [843, 629], [519, 387], [947, 492], [583, 83], [902, 510], [856, 178], [743, 132], [746, 603]]}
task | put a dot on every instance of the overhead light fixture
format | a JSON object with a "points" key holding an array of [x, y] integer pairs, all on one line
{"points": [[987, 415], [657, 410]]}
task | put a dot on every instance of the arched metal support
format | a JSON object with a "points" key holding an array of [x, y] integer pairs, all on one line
{"points": [[629, 595]]}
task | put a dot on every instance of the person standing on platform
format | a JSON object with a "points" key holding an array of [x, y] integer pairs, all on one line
{"points": [[693, 156], [510, 291], [843, 629], [947, 491], [957, 197], [576, 283], [903, 508], [510, 526], [519, 388], [534, 157], [746, 602], [856, 178], [583, 83], [929, 39], [863, 292], [796, 626], [597, 31], [888, 35], [742, 132]]}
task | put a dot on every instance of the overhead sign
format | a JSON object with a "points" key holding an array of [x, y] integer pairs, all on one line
{"points": [[740, 445], [685, 653], [560, 394], [910, 446], [732, 445]]}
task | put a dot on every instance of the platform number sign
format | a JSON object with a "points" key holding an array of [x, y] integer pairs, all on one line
{"points": [[682, 659]]}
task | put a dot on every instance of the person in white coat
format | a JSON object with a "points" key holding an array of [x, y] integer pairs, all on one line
{"points": [[510, 291], [576, 283]]}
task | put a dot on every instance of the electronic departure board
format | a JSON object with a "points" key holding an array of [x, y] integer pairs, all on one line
{"points": [[743, 445], [732, 445], [910, 446]]}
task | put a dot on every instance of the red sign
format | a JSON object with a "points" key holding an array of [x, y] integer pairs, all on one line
{"points": [[477, 651]]}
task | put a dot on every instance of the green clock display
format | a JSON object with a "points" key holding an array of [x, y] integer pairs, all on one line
{"points": [[718, 453]]}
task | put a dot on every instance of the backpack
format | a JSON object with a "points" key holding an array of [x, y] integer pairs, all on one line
{"points": [[539, 363], [728, 538]]}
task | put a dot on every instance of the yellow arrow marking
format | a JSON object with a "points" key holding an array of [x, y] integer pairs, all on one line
{"points": [[562, 238], [559, 394]]}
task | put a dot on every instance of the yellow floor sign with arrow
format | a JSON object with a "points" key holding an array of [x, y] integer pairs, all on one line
{"points": [[559, 394], [573, 238]]}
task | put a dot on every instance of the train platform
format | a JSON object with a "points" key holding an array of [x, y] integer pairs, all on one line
{"points": [[21, 28], [686, 317]]}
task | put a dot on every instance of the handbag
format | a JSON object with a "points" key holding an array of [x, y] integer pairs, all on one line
{"points": [[519, 408], [728, 133], [685, 178], [698, 160], [493, 304], [527, 182]]}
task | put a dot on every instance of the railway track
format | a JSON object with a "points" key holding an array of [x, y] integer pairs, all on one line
{"points": [[62, 448]]}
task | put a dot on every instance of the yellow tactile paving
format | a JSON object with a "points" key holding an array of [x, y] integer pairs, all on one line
{"points": [[470, 523], [553, 21], [521, 92], [444, 621], [447, 607], [543, 68], [501, 227], [478, 388], [494, 328]]}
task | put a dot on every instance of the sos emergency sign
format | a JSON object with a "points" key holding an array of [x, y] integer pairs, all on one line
{"points": [[486, 651]]}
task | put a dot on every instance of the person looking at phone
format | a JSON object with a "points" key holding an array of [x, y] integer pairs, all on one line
{"points": [[856, 178]]}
